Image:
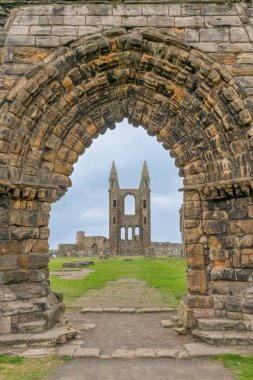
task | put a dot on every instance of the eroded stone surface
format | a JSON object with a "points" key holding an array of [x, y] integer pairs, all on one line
{"points": [[195, 98]]}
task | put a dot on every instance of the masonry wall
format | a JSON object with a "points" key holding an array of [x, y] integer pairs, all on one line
{"points": [[29, 33]]}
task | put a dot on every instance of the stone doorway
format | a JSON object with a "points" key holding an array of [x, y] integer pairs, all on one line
{"points": [[180, 95]]}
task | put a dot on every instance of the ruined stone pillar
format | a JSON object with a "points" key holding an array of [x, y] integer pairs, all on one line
{"points": [[219, 251], [27, 304]]}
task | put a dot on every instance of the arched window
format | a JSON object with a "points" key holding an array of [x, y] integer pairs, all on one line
{"points": [[137, 231], [113, 184], [144, 202], [145, 220], [130, 233], [129, 203], [114, 203], [122, 233], [145, 184]]}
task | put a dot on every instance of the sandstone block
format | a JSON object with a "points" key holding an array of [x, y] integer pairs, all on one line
{"points": [[15, 276], [74, 20], [185, 315], [225, 274], [233, 303], [247, 258], [154, 9], [191, 35], [222, 21], [17, 40], [111, 21], [38, 260], [195, 256], [161, 21], [174, 9], [189, 22], [41, 30], [215, 227], [247, 307], [87, 353], [191, 9], [197, 281], [130, 22], [5, 323], [214, 35], [239, 35], [219, 9], [26, 20], [19, 29], [66, 30], [126, 10], [198, 301]]}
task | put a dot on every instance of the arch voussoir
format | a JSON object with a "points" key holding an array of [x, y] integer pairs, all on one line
{"points": [[195, 109]]}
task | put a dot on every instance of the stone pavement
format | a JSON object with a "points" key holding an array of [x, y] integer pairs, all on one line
{"points": [[142, 369]]}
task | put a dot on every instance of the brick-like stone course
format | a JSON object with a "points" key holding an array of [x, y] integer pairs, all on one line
{"points": [[182, 71]]}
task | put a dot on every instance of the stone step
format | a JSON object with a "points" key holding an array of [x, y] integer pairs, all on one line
{"points": [[48, 338], [31, 327], [220, 324], [233, 338]]}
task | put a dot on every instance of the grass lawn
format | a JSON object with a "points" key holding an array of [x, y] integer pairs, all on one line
{"points": [[165, 274], [19, 368], [242, 366]]}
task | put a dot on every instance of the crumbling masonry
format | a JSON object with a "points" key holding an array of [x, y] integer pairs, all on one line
{"points": [[181, 71]]}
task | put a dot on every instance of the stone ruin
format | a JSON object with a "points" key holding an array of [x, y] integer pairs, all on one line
{"points": [[181, 71]]}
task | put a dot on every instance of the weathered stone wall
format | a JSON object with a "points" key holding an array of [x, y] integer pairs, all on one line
{"points": [[167, 249], [222, 30], [181, 71]]}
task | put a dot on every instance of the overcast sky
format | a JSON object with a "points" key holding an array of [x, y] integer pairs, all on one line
{"points": [[85, 206]]}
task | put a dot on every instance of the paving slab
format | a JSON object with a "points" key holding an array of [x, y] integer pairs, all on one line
{"points": [[87, 353], [164, 353], [67, 350], [38, 352]]}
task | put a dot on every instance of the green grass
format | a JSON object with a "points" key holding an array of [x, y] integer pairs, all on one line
{"points": [[242, 366], [20, 368], [165, 274]]}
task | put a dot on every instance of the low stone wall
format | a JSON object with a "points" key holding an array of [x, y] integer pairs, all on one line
{"points": [[167, 249]]}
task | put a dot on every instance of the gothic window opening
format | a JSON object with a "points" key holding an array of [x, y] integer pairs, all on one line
{"points": [[122, 233], [129, 203], [144, 203]]}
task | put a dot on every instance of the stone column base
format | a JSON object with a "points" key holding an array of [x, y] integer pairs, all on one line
{"points": [[29, 308]]}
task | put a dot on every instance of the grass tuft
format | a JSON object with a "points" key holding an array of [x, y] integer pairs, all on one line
{"points": [[242, 366]]}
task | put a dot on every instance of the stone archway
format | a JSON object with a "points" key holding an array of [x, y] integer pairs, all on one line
{"points": [[195, 109]]}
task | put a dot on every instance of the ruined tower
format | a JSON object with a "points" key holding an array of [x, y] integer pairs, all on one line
{"points": [[129, 233]]}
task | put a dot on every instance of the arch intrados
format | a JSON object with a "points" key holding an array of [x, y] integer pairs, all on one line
{"points": [[213, 91]]}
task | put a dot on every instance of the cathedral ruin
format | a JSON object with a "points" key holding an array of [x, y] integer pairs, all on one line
{"points": [[129, 234]]}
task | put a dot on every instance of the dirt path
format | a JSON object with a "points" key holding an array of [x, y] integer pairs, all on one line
{"points": [[142, 369], [125, 292], [130, 331]]}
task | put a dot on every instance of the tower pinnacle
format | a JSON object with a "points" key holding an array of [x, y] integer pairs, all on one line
{"points": [[114, 182], [145, 179]]}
